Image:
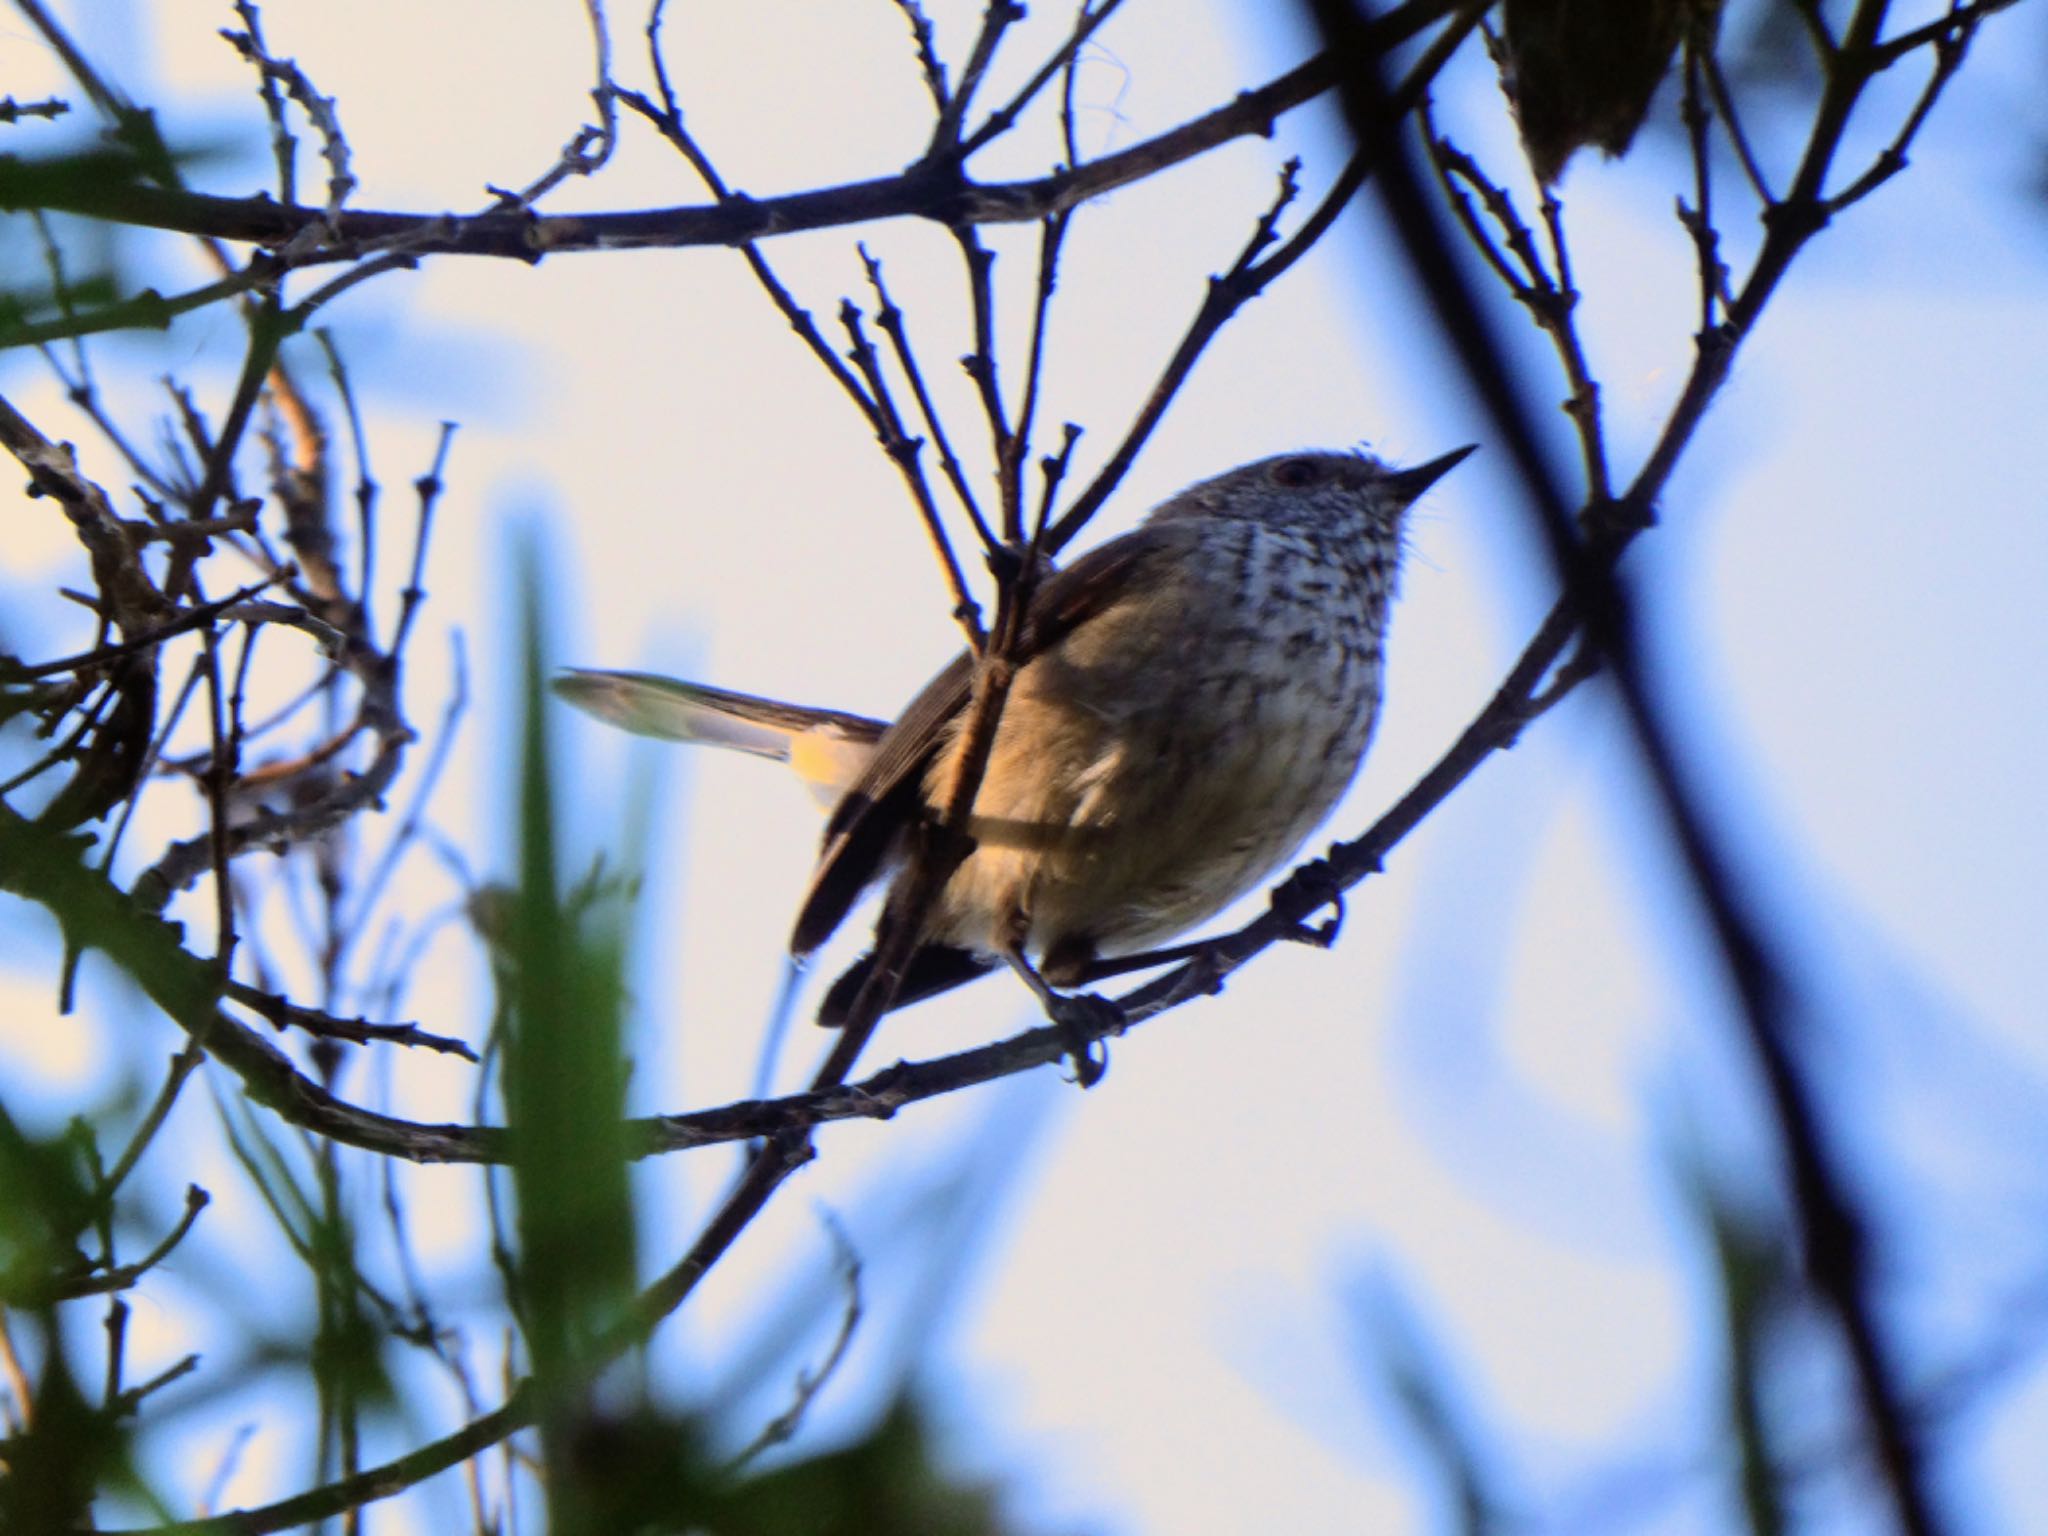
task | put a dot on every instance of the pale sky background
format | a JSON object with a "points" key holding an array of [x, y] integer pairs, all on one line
{"points": [[1151, 1308]]}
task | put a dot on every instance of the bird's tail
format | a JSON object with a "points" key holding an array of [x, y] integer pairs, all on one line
{"points": [[825, 747]]}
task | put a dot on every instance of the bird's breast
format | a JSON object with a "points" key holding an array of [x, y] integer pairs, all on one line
{"points": [[1167, 754]]}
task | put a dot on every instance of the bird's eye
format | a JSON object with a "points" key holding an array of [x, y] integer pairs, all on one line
{"points": [[1296, 473]]}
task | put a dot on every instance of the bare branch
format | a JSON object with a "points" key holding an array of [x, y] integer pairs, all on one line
{"points": [[1949, 43], [283, 1013], [996, 18], [51, 108], [928, 61], [940, 192], [1698, 218], [1249, 275], [903, 449], [1087, 22], [1724, 108], [668, 119], [198, 615], [1546, 291], [589, 150], [320, 112], [811, 1380], [105, 1282]]}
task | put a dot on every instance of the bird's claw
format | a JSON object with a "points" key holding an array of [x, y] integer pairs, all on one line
{"points": [[1309, 887], [1083, 1020]]}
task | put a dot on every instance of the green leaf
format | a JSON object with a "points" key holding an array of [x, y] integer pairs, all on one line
{"points": [[563, 956]]}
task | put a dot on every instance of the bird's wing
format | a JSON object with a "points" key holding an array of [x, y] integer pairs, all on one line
{"points": [[889, 794]]}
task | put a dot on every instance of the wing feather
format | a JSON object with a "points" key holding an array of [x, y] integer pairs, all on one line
{"points": [[649, 704], [889, 794]]}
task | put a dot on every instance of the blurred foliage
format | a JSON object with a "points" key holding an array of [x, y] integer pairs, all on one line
{"points": [[64, 300], [74, 178], [63, 1450], [565, 1087], [1756, 1287], [1397, 1359], [651, 1474]]}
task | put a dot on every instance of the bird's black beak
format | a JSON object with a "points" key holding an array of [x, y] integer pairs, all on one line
{"points": [[1411, 483]]}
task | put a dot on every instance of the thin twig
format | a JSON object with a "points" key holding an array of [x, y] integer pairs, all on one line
{"points": [[1724, 108], [427, 488], [188, 619], [50, 109], [889, 317], [1698, 218], [980, 366], [929, 64], [590, 149], [131, 1398], [1546, 291], [1948, 47], [999, 122], [997, 17], [283, 1013], [221, 771], [1250, 275], [668, 119], [372, 888], [1051, 235], [284, 147], [125, 1276], [1960, 20], [183, 1064], [366, 482], [146, 310], [811, 1380]]}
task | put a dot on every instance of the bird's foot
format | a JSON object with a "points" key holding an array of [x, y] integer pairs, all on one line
{"points": [[1312, 886], [1081, 1019], [1084, 1020]]}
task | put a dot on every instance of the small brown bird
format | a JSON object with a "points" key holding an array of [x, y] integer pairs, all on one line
{"points": [[1193, 698]]}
